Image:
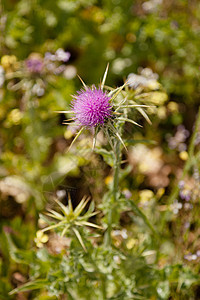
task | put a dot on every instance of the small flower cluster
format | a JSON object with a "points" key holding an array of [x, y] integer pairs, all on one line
{"points": [[36, 64], [151, 5], [192, 257], [9, 63], [150, 163], [60, 55], [34, 73], [178, 141], [177, 206], [197, 140], [2, 77], [119, 236], [146, 79], [189, 188], [185, 191]]}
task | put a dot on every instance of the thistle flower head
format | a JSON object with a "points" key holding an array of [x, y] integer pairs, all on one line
{"points": [[96, 109], [91, 107]]}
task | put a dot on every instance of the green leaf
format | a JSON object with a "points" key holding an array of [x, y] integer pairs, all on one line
{"points": [[89, 224], [70, 207], [64, 208], [18, 255], [33, 285], [139, 213], [163, 290], [54, 214], [104, 77], [83, 83], [107, 156], [143, 141], [79, 238], [117, 91], [114, 130], [129, 120], [77, 135], [143, 113], [60, 224], [81, 206]]}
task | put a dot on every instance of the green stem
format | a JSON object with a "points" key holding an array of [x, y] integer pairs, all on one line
{"points": [[115, 187], [102, 278], [117, 163], [103, 288]]}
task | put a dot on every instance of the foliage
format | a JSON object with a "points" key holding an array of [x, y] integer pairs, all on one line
{"points": [[125, 223]]}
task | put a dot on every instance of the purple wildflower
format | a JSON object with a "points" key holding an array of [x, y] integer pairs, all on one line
{"points": [[91, 107], [127, 193], [49, 56], [34, 65], [185, 194], [181, 184], [190, 257], [62, 55]]}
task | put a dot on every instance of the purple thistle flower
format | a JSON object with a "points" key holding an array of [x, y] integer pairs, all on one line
{"points": [[91, 107]]}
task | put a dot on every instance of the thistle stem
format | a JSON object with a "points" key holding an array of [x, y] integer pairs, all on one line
{"points": [[115, 187], [117, 163]]}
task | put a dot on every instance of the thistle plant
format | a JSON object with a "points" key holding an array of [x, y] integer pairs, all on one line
{"points": [[136, 236], [89, 269], [106, 109], [96, 109], [34, 75], [70, 219]]}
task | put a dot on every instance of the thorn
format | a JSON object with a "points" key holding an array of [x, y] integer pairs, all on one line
{"points": [[83, 83]]}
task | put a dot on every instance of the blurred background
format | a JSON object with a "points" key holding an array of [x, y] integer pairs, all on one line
{"points": [[43, 46]]}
